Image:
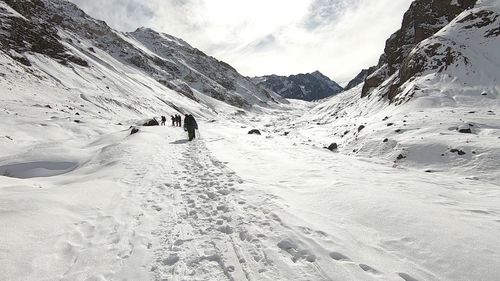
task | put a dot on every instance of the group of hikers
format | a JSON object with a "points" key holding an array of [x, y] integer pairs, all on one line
{"points": [[176, 120], [190, 124]]}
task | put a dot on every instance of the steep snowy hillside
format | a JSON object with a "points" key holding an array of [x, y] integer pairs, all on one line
{"points": [[308, 87], [61, 31], [439, 111], [422, 20]]}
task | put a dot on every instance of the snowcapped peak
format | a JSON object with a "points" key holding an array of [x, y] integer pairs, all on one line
{"points": [[319, 75], [143, 29], [63, 32], [308, 86]]}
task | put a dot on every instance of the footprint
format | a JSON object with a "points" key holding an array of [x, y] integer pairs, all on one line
{"points": [[287, 245], [339, 257], [406, 277], [296, 253], [368, 268], [171, 260], [481, 212], [156, 208], [225, 229]]}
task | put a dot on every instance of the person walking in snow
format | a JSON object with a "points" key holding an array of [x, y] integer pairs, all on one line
{"points": [[179, 120], [173, 120], [163, 120], [190, 126]]}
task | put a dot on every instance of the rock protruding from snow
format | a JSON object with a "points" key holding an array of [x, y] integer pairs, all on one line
{"points": [[308, 87], [151, 122], [134, 130], [254, 132], [333, 147]]}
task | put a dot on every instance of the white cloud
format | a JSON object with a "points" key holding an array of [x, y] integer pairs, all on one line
{"points": [[257, 37]]}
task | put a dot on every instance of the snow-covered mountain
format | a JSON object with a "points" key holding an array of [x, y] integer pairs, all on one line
{"points": [[433, 102], [421, 21], [59, 30], [308, 87]]}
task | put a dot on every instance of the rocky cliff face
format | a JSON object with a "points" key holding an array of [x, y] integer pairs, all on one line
{"points": [[23, 32], [360, 78], [308, 87], [61, 31], [421, 21]]}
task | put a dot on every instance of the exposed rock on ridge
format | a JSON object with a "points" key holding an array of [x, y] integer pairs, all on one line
{"points": [[308, 87], [422, 20]]}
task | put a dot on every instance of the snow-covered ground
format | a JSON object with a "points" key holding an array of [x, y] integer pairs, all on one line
{"points": [[88, 201]]}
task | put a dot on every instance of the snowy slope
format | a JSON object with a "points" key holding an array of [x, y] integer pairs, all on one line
{"points": [[422, 20], [58, 29]]}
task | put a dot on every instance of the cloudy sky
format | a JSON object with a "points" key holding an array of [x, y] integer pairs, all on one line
{"points": [[258, 37]]}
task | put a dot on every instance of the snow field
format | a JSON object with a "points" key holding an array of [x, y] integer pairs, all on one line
{"points": [[400, 222]]}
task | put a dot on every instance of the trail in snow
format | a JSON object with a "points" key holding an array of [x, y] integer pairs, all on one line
{"points": [[206, 230], [178, 215]]}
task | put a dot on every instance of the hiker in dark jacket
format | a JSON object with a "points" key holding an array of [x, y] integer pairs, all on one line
{"points": [[163, 120], [173, 120], [179, 120], [190, 125]]}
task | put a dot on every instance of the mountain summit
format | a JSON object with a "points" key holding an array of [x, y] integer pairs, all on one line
{"points": [[59, 30], [308, 87]]}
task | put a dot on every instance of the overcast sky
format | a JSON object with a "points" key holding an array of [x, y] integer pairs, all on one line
{"points": [[258, 37]]}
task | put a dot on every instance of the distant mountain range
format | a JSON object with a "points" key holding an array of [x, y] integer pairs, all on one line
{"points": [[308, 86]]}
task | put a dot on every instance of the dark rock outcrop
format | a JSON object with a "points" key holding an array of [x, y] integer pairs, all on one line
{"points": [[254, 132], [134, 130], [457, 151], [32, 34], [333, 147], [421, 21], [465, 130], [151, 122], [360, 78]]}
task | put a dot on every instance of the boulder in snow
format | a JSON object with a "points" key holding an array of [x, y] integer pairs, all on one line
{"points": [[254, 132], [332, 147], [464, 130], [134, 130], [151, 122], [458, 151]]}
